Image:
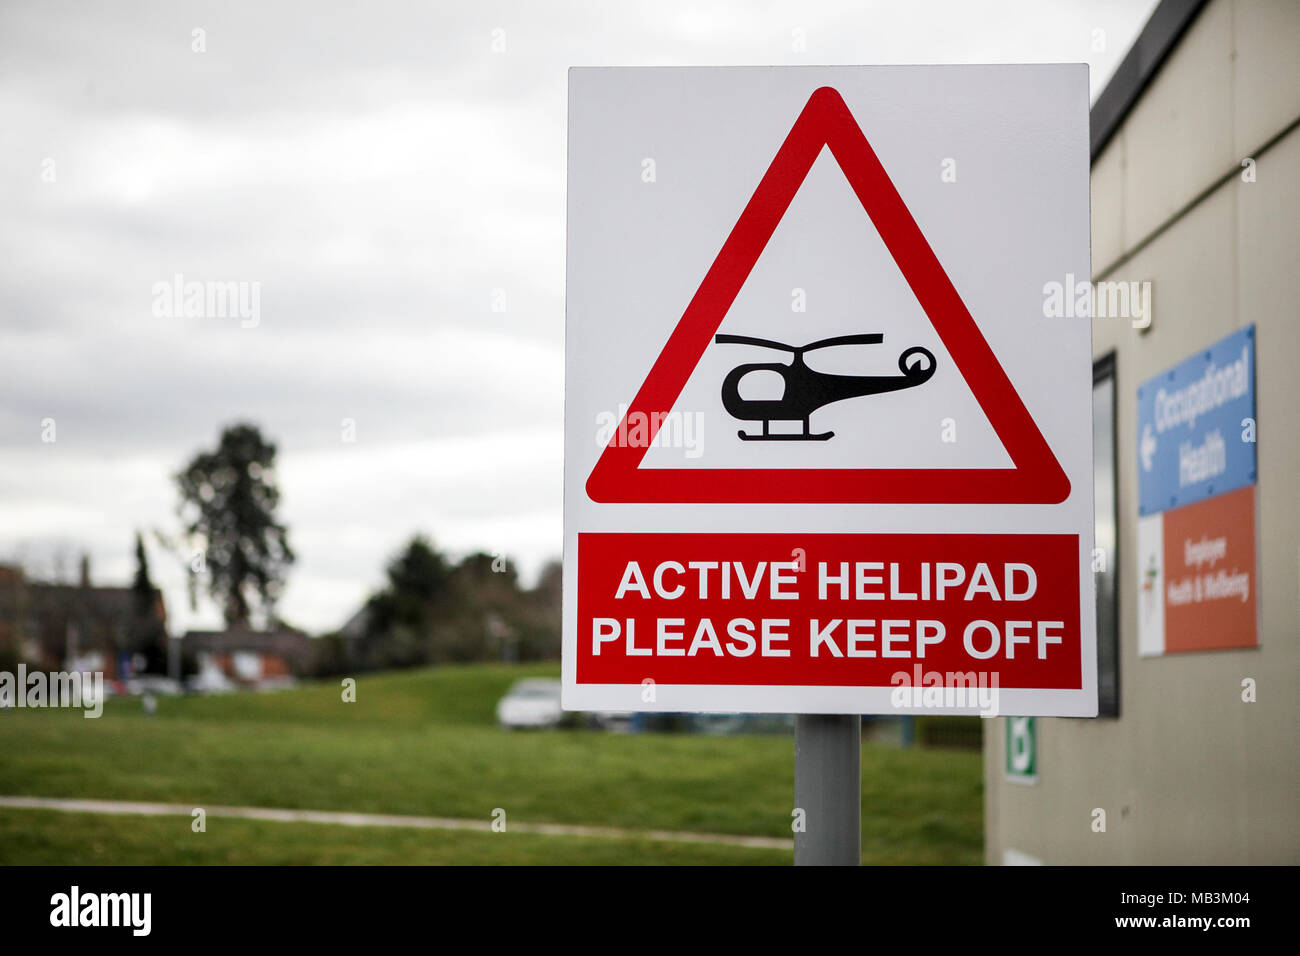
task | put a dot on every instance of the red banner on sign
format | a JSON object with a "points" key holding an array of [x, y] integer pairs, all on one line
{"points": [[851, 610]]}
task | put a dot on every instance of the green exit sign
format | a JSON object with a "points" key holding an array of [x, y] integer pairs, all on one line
{"points": [[1022, 749]]}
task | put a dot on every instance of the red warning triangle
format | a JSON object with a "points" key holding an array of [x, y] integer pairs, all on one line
{"points": [[1037, 477]]}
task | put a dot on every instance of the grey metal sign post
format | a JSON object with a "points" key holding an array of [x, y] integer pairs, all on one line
{"points": [[828, 788]]}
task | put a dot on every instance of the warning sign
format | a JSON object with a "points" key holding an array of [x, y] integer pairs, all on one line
{"points": [[824, 450], [825, 123]]}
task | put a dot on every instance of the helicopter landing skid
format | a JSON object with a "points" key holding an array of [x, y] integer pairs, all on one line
{"points": [[824, 436], [768, 436]]}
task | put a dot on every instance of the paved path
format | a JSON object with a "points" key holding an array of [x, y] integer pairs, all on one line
{"points": [[134, 808]]}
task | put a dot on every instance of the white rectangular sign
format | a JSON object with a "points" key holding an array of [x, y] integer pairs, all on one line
{"points": [[827, 438]]}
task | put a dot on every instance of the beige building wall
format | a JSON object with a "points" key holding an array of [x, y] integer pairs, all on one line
{"points": [[1189, 773]]}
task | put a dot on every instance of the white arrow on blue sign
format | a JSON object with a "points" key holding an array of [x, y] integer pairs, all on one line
{"points": [[1196, 426]]}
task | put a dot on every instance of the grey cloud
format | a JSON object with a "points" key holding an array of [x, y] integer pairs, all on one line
{"points": [[380, 171]]}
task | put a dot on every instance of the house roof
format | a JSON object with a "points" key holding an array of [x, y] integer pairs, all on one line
{"points": [[284, 642]]}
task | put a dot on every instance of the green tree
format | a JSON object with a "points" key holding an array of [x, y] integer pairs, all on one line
{"points": [[142, 587], [148, 634], [419, 573], [434, 610], [228, 501], [400, 620]]}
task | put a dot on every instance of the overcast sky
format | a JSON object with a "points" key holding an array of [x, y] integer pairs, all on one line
{"points": [[383, 170]]}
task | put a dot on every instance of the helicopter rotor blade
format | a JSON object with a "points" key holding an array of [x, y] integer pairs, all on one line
{"points": [[866, 338], [750, 340]]}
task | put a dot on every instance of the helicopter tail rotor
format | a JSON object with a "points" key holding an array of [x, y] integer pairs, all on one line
{"points": [[918, 371]]}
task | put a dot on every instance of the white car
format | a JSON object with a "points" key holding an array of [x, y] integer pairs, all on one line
{"points": [[154, 684], [534, 702]]}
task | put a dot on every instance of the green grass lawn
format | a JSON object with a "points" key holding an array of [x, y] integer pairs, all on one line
{"points": [[45, 837], [425, 742]]}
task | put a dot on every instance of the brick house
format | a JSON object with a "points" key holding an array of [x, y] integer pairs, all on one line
{"points": [[78, 626], [240, 657]]}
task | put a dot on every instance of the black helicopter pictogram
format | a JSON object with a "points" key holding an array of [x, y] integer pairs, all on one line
{"points": [[807, 390]]}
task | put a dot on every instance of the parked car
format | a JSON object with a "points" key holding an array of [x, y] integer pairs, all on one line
{"points": [[725, 724], [615, 721], [154, 684], [534, 702]]}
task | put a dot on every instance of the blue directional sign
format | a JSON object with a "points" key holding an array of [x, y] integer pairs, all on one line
{"points": [[1196, 426]]}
